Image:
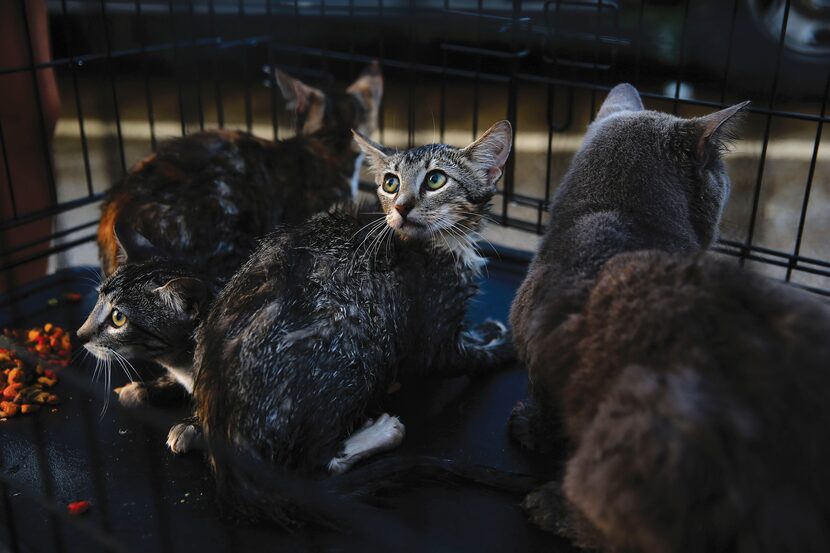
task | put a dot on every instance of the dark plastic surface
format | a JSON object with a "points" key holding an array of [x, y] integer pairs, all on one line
{"points": [[150, 500]]}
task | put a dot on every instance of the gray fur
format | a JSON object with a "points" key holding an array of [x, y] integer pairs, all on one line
{"points": [[693, 395], [164, 302], [301, 346]]}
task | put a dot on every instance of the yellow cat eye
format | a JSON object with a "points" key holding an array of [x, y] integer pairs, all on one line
{"points": [[118, 318], [391, 183], [435, 180]]}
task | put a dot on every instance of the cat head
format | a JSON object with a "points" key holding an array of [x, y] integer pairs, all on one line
{"points": [[437, 191], [356, 107], [656, 166], [148, 308]]}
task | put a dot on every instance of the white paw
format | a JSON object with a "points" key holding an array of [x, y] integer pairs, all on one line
{"points": [[132, 395], [184, 437], [339, 465], [390, 430], [385, 433]]}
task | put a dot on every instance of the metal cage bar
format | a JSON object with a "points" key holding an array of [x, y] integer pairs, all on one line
{"points": [[210, 58]]}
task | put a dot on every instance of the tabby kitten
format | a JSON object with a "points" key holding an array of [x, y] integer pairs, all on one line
{"points": [[693, 394], [205, 198], [201, 202], [301, 346]]}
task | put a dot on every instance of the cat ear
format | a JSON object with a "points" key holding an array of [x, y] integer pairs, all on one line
{"points": [[716, 130], [622, 97], [184, 294], [132, 245], [369, 88], [374, 152], [308, 103], [489, 153]]}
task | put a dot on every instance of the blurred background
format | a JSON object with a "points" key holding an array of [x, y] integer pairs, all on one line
{"points": [[130, 73]]}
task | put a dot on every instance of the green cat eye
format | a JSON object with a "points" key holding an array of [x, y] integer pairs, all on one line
{"points": [[391, 183], [118, 318], [435, 180]]}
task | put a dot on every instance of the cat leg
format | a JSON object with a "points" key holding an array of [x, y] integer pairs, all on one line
{"points": [[185, 436], [164, 390], [480, 350], [520, 425], [132, 394], [375, 437], [549, 509]]}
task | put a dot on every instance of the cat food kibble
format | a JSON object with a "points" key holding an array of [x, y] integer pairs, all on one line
{"points": [[78, 507], [23, 387]]}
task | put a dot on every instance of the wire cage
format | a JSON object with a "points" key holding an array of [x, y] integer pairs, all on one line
{"points": [[131, 73]]}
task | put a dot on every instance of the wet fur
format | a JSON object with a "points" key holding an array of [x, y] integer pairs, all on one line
{"points": [[198, 206], [692, 394], [303, 343]]}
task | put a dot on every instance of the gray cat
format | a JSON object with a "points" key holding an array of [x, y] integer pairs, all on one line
{"points": [[694, 395], [301, 346]]}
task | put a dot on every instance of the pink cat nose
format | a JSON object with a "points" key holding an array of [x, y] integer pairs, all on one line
{"points": [[403, 209]]}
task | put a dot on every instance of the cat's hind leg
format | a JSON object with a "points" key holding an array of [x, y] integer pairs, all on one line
{"points": [[480, 350], [375, 437]]}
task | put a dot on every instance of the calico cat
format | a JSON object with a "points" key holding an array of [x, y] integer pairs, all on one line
{"points": [[301, 346], [205, 198], [197, 207], [693, 394]]}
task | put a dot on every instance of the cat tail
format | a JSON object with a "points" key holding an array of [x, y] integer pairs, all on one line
{"points": [[389, 474], [252, 490]]}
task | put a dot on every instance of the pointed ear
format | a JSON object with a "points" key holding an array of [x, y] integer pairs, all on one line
{"points": [[132, 245], [489, 153], [369, 90], [308, 103], [622, 97], [716, 130], [188, 295], [375, 153]]}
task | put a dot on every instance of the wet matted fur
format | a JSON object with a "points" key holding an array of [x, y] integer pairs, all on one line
{"points": [[205, 198], [302, 345], [192, 212]]}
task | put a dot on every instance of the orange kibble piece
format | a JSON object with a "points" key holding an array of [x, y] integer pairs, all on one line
{"points": [[10, 392], [16, 375], [9, 408], [48, 327], [48, 382], [53, 399], [29, 408], [33, 335]]}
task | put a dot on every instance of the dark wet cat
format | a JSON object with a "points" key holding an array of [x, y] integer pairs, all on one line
{"points": [[303, 343], [205, 198], [195, 209], [693, 394]]}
